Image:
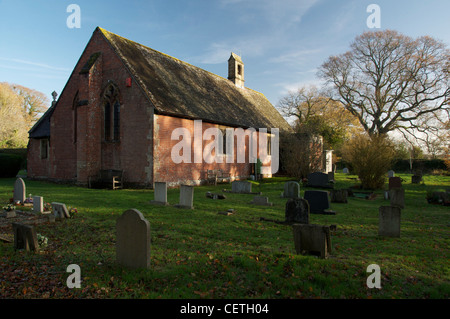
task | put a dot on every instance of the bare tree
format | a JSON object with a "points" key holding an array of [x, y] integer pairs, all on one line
{"points": [[390, 81]]}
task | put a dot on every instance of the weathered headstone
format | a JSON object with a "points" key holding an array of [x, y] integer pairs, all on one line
{"points": [[60, 210], [328, 161], [19, 191], [291, 190], [133, 240], [297, 211], [391, 173], [397, 197], [160, 191], [261, 200], [38, 204], [25, 237], [241, 187], [339, 196], [330, 176], [186, 197], [389, 221], [312, 240], [345, 170], [319, 202], [318, 179], [395, 182]]}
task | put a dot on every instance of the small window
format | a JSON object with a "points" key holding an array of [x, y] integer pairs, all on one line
{"points": [[239, 69], [44, 148]]}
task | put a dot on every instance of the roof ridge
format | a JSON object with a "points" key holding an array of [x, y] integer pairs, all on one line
{"points": [[104, 31]]}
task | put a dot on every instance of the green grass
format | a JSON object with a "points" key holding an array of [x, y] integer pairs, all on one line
{"points": [[201, 254]]}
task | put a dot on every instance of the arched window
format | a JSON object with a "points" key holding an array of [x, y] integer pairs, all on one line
{"points": [[111, 114]]}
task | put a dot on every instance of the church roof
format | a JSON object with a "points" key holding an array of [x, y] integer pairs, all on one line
{"points": [[180, 89]]}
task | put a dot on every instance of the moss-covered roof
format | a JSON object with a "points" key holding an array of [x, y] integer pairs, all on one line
{"points": [[180, 89]]}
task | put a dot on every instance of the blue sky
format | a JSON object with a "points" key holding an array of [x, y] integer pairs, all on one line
{"points": [[282, 42]]}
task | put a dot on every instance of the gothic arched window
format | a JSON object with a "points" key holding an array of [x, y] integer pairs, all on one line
{"points": [[111, 114]]}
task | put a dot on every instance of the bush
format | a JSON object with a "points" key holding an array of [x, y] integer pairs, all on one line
{"points": [[370, 159], [10, 165]]}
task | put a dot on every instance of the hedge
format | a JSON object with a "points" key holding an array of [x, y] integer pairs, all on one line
{"points": [[10, 164]]}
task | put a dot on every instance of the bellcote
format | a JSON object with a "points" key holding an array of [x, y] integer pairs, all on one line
{"points": [[236, 70]]}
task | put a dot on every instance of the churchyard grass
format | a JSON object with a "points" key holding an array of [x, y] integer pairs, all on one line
{"points": [[201, 254]]}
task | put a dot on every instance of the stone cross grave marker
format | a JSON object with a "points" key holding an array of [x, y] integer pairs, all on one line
{"points": [[291, 190], [389, 221], [312, 240], [395, 182], [19, 191], [318, 179], [160, 191], [261, 200], [397, 197], [25, 237], [297, 211], [241, 187], [60, 210], [186, 197], [319, 202], [133, 240]]}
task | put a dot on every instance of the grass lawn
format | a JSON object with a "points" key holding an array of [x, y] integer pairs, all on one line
{"points": [[202, 254]]}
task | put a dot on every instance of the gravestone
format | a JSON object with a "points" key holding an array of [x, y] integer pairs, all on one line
{"points": [[297, 211], [261, 200], [60, 210], [241, 187], [38, 204], [19, 191], [215, 196], [319, 203], [339, 196], [133, 240], [186, 197], [291, 190], [345, 170], [395, 182], [328, 161], [160, 191], [389, 221], [397, 197], [312, 240], [318, 179], [330, 176], [416, 179], [25, 237], [391, 173]]}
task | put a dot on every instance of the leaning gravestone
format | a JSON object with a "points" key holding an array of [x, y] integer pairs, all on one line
{"points": [[297, 211], [160, 191], [133, 240], [19, 191], [186, 197], [319, 203], [312, 240], [241, 187], [261, 200], [395, 182], [389, 221], [291, 190], [60, 210], [339, 196], [318, 179], [397, 197], [25, 237]]}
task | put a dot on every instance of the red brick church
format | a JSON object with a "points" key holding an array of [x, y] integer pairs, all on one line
{"points": [[120, 106]]}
